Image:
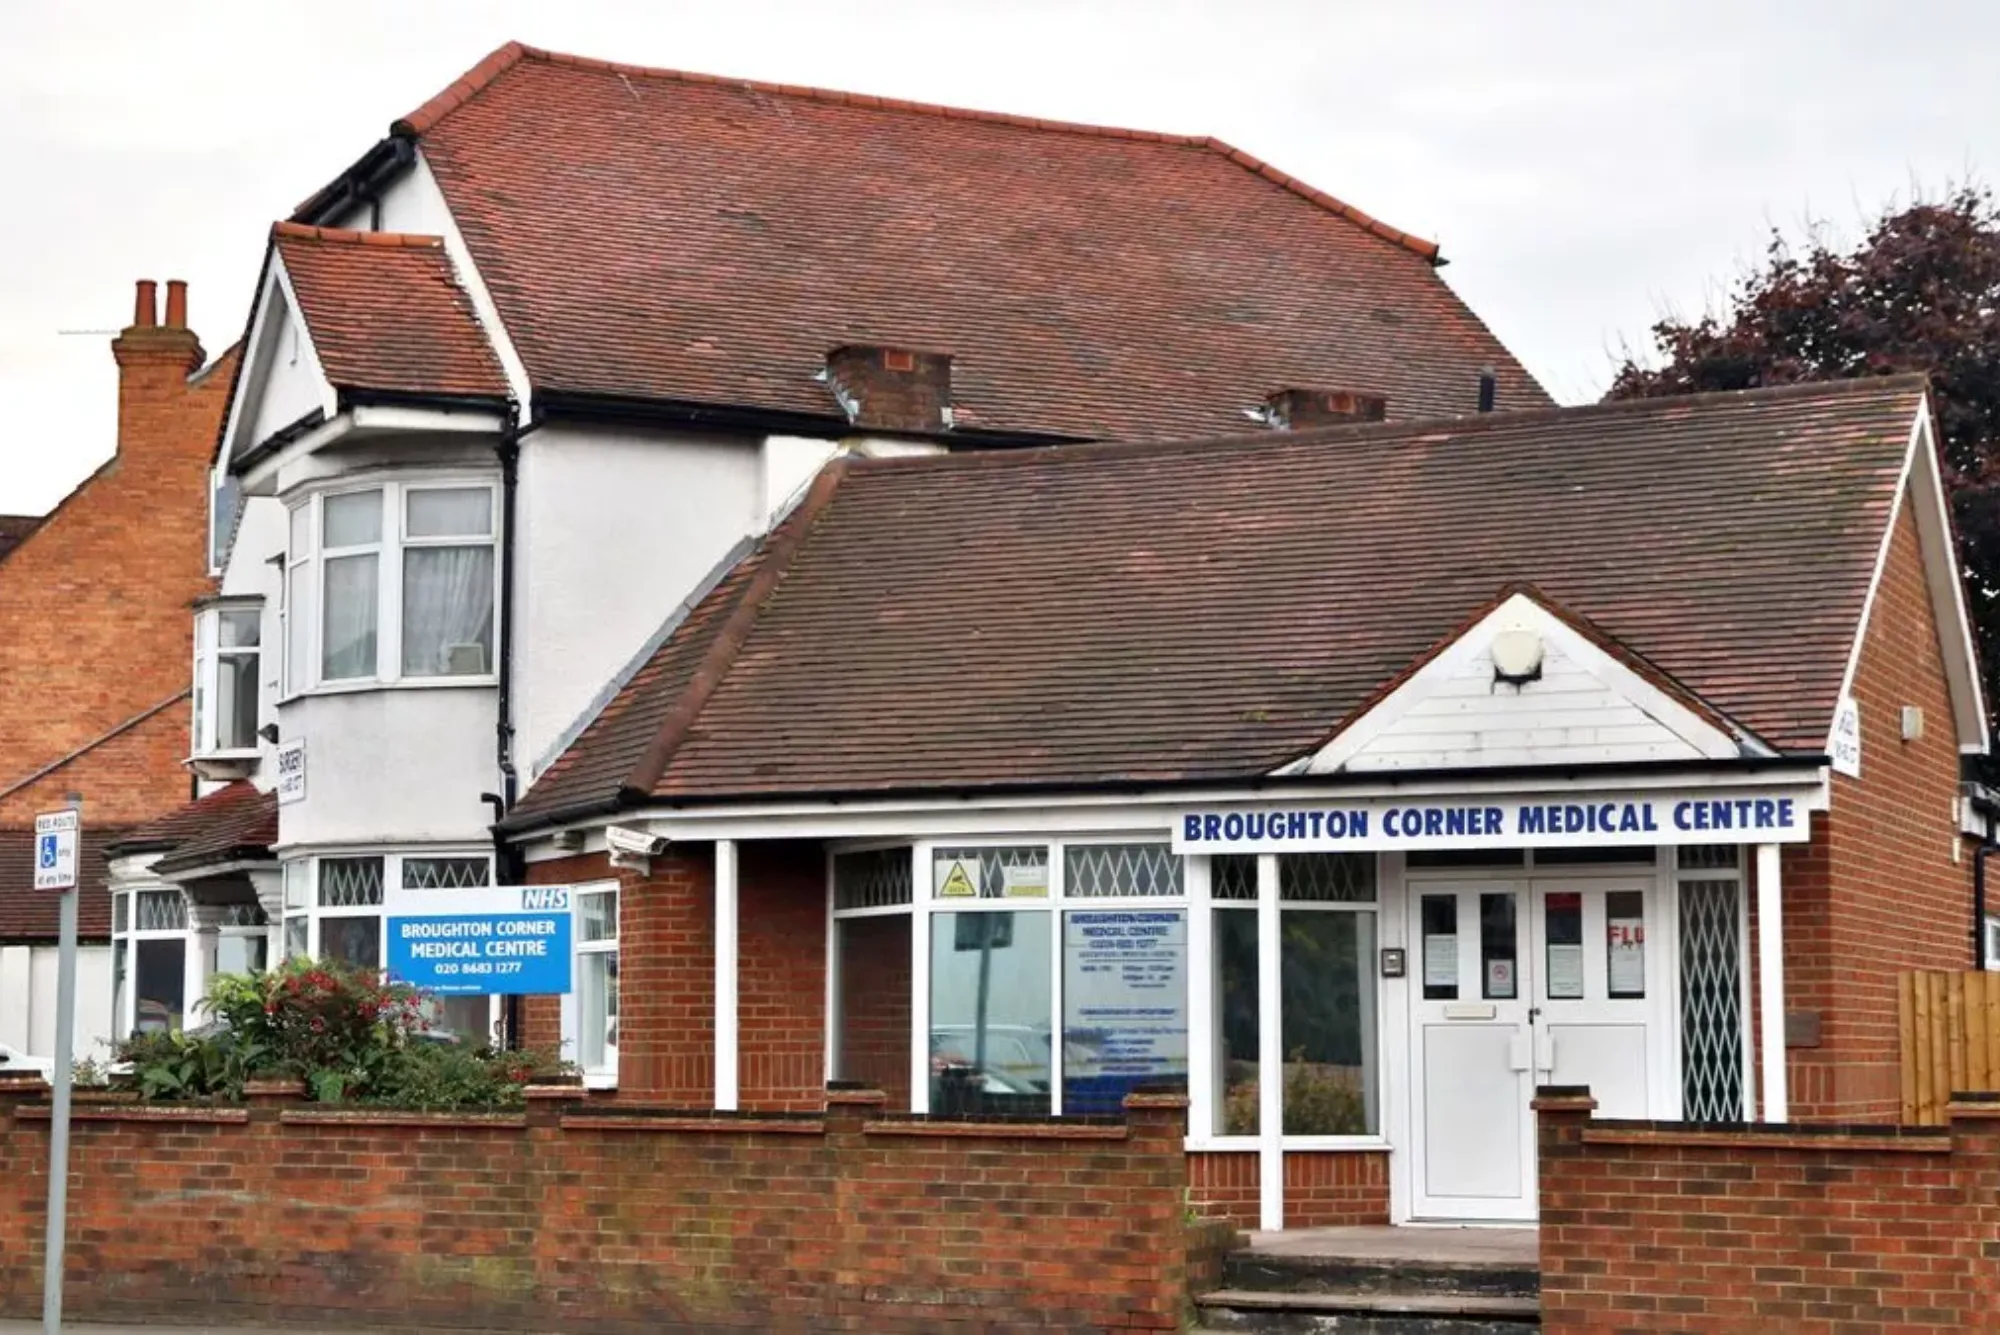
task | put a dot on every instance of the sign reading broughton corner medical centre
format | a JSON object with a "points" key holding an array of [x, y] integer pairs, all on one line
{"points": [[506, 941], [1716, 816]]}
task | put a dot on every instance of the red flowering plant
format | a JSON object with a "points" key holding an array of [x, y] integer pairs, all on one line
{"points": [[350, 1035]]}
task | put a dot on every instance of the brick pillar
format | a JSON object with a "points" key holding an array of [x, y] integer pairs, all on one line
{"points": [[1158, 1147], [1561, 1113], [1975, 1163], [24, 1157]]}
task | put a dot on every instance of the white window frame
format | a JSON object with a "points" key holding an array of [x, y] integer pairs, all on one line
{"points": [[302, 874], [1992, 926], [206, 716], [605, 1074], [307, 571], [126, 936]]}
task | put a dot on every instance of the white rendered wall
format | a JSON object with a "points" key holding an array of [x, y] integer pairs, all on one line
{"points": [[28, 1000], [290, 384], [392, 765], [613, 530]]}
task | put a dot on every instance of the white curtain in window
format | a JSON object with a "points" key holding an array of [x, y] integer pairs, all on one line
{"points": [[447, 611], [348, 649]]}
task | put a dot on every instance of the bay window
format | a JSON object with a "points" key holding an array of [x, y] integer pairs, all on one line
{"points": [[227, 656], [392, 583]]}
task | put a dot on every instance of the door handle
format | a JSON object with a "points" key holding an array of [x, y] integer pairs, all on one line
{"points": [[1545, 1049]]}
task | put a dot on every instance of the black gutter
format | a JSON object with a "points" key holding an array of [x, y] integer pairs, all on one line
{"points": [[362, 183], [629, 410], [627, 799], [418, 398], [277, 440]]}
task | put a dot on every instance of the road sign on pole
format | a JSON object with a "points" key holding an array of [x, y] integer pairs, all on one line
{"points": [[56, 836]]}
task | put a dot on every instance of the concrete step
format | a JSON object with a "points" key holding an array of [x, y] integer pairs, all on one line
{"points": [[1263, 1272], [1373, 1313]]}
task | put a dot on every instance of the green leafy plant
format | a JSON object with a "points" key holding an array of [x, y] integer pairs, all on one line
{"points": [[351, 1037], [1320, 1100]]}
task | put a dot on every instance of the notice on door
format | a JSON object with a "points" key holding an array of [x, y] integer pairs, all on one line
{"points": [[1441, 959], [1565, 972], [1627, 941]]}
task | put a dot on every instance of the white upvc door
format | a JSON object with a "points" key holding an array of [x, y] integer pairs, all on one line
{"points": [[1597, 990], [1473, 1042]]}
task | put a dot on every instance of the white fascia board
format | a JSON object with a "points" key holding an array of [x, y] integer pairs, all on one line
{"points": [[428, 421], [1522, 611], [1046, 815], [1917, 433], [259, 480], [476, 291], [1935, 537], [275, 301]]}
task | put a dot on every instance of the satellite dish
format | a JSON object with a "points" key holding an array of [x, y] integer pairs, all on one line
{"points": [[1517, 656]]}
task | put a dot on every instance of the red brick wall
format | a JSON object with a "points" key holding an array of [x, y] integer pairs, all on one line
{"points": [[1666, 1228], [666, 973], [96, 601], [875, 1005], [604, 1218], [1323, 1188], [1878, 891]]}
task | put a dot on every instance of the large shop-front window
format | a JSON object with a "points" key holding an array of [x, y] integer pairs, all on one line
{"points": [[390, 584], [1327, 912]]}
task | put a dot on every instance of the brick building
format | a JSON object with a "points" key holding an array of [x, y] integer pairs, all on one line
{"points": [[94, 690]]}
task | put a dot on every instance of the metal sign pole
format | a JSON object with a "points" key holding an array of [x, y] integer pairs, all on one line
{"points": [[52, 1255]]}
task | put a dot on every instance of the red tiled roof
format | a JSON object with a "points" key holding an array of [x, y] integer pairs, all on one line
{"points": [[14, 530], [235, 821], [664, 235], [31, 916], [1213, 610], [386, 312]]}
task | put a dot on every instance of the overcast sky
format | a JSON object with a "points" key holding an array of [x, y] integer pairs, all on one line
{"points": [[1586, 166]]}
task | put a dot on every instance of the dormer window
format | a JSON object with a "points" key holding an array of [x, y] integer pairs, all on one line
{"points": [[228, 637], [391, 584]]}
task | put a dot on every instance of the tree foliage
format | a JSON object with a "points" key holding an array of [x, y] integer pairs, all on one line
{"points": [[1919, 293]]}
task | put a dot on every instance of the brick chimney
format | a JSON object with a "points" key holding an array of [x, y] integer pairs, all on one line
{"points": [[154, 358], [891, 389], [1301, 409]]}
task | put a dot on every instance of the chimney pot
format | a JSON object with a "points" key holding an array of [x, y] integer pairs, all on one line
{"points": [[891, 389], [177, 303], [145, 309], [1301, 409]]}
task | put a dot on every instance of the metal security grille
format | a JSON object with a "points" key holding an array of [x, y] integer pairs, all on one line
{"points": [[994, 863], [877, 878], [1327, 878], [446, 873], [1120, 871], [159, 911], [1711, 1002], [1232, 876], [350, 883], [1707, 857]]}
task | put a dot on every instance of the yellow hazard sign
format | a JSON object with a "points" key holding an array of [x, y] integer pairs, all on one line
{"points": [[956, 882]]}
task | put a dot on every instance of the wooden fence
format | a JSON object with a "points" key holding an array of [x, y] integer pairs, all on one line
{"points": [[1951, 1041]]}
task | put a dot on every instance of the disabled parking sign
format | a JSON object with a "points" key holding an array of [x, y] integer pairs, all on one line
{"points": [[490, 941], [55, 850]]}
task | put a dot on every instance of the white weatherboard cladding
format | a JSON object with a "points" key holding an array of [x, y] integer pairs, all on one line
{"points": [[28, 1000], [396, 765], [614, 529], [1585, 707]]}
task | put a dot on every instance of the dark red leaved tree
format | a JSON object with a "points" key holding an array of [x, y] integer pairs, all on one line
{"points": [[1921, 292]]}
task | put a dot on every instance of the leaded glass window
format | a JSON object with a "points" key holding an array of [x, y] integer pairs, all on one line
{"points": [[1327, 878], [347, 883], [1232, 877], [1120, 871], [159, 911], [872, 879], [446, 873]]}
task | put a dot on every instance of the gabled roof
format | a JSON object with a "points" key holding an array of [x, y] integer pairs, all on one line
{"points": [[668, 236], [386, 313], [1213, 610], [28, 915], [233, 823]]}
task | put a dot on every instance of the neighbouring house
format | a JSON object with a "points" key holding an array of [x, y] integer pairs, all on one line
{"points": [[94, 691], [540, 370], [1364, 778]]}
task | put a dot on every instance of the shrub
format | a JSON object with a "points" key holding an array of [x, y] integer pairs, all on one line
{"points": [[1319, 1101], [350, 1036]]}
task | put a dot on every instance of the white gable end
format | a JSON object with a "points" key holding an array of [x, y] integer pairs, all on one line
{"points": [[280, 380], [1578, 706]]}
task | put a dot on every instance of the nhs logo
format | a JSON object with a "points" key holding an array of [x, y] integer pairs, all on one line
{"points": [[544, 897]]}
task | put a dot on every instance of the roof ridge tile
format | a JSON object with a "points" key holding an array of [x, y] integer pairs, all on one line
{"points": [[462, 90], [292, 231]]}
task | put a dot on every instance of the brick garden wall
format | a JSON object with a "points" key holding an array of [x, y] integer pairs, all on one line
{"points": [[1812, 1230], [1323, 1188], [597, 1215]]}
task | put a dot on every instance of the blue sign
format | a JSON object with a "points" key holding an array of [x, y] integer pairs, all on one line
{"points": [[484, 942], [45, 852]]}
